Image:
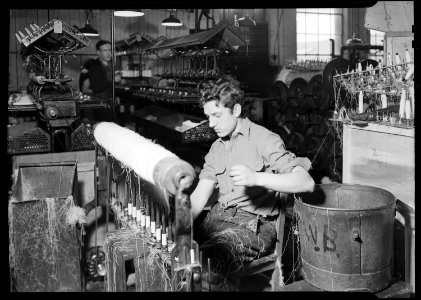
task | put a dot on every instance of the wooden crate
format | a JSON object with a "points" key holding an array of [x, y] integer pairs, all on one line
{"points": [[45, 252], [384, 156]]}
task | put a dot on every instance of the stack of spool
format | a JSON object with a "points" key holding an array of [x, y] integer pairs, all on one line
{"points": [[300, 115]]}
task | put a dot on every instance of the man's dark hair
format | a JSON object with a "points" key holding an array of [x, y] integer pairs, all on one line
{"points": [[225, 90], [100, 43]]}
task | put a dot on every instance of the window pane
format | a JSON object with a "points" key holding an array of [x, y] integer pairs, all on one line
{"points": [[312, 23], [324, 24], [312, 10], [324, 46], [325, 10], [312, 44], [301, 23], [336, 24], [338, 10], [301, 44], [338, 44]]}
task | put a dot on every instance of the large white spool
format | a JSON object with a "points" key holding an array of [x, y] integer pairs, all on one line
{"points": [[133, 150]]}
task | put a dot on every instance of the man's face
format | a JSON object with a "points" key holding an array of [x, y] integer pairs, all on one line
{"points": [[221, 118], [104, 52]]}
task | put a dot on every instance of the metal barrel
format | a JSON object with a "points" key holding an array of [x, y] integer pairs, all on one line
{"points": [[346, 237]]}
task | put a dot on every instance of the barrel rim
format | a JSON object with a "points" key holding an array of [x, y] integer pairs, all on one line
{"points": [[317, 186]]}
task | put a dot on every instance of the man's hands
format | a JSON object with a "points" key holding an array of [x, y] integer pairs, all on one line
{"points": [[242, 175]]}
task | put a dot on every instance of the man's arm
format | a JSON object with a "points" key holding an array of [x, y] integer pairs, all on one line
{"points": [[86, 86], [298, 181], [201, 195]]}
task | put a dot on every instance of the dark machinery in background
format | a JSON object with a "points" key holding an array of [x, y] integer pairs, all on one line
{"points": [[354, 52], [300, 112], [171, 109], [58, 106]]}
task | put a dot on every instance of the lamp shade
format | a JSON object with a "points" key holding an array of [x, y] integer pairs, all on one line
{"points": [[88, 30], [171, 21], [129, 13]]}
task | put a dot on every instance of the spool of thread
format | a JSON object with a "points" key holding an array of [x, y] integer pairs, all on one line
{"points": [[18, 37], [383, 97], [192, 256], [407, 109], [21, 34], [138, 216], [134, 213], [164, 242], [398, 58], [408, 56], [398, 61], [359, 67], [411, 96], [27, 31], [389, 59], [32, 27], [158, 234], [130, 209], [402, 104], [360, 102], [410, 72], [142, 220], [147, 222], [153, 227]]}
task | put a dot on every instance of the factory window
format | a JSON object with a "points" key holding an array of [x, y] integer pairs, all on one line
{"points": [[376, 38], [315, 28]]}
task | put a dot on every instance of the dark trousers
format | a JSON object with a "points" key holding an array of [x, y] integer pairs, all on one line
{"points": [[231, 237]]}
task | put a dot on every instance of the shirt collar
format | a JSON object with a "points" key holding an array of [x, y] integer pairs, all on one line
{"points": [[244, 129]]}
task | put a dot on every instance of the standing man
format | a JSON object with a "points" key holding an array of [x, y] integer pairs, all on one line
{"points": [[99, 80], [254, 173], [96, 79]]}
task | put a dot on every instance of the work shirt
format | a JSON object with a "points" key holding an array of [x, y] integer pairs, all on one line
{"points": [[100, 78], [261, 150]]}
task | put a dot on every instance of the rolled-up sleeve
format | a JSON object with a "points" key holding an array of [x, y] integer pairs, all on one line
{"points": [[209, 167], [278, 159]]}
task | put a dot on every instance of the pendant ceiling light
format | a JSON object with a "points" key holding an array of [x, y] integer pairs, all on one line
{"points": [[171, 21], [88, 30], [129, 13]]}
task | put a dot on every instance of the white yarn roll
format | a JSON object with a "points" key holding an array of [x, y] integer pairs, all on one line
{"points": [[153, 227], [158, 234], [138, 216], [164, 239], [384, 100], [142, 220], [131, 149], [130, 209], [192, 256], [360, 103], [148, 221], [411, 95], [408, 109], [408, 56], [402, 105], [134, 213]]}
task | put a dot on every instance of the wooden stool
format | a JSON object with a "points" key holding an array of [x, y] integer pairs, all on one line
{"points": [[151, 273]]}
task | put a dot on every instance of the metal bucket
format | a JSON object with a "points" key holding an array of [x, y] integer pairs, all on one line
{"points": [[346, 237]]}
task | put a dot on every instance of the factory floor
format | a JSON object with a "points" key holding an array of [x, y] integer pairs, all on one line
{"points": [[256, 283]]}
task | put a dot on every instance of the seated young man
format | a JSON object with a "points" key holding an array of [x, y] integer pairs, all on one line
{"points": [[254, 174]]}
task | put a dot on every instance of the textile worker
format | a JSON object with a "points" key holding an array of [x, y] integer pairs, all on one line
{"points": [[254, 174], [98, 80]]}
